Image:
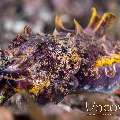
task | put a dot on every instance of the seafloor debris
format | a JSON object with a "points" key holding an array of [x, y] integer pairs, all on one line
{"points": [[73, 107], [49, 66], [5, 114]]}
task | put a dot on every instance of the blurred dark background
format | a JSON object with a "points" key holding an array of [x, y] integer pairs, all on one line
{"points": [[39, 14]]}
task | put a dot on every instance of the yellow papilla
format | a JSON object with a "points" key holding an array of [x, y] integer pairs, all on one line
{"points": [[107, 60], [37, 88], [106, 19], [94, 18]]}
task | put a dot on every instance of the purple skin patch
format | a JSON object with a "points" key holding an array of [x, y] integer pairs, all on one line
{"points": [[102, 83]]}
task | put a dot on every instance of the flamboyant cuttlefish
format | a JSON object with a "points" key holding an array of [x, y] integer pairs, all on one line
{"points": [[49, 66]]}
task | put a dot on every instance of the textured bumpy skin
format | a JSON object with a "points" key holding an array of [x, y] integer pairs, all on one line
{"points": [[51, 66]]}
